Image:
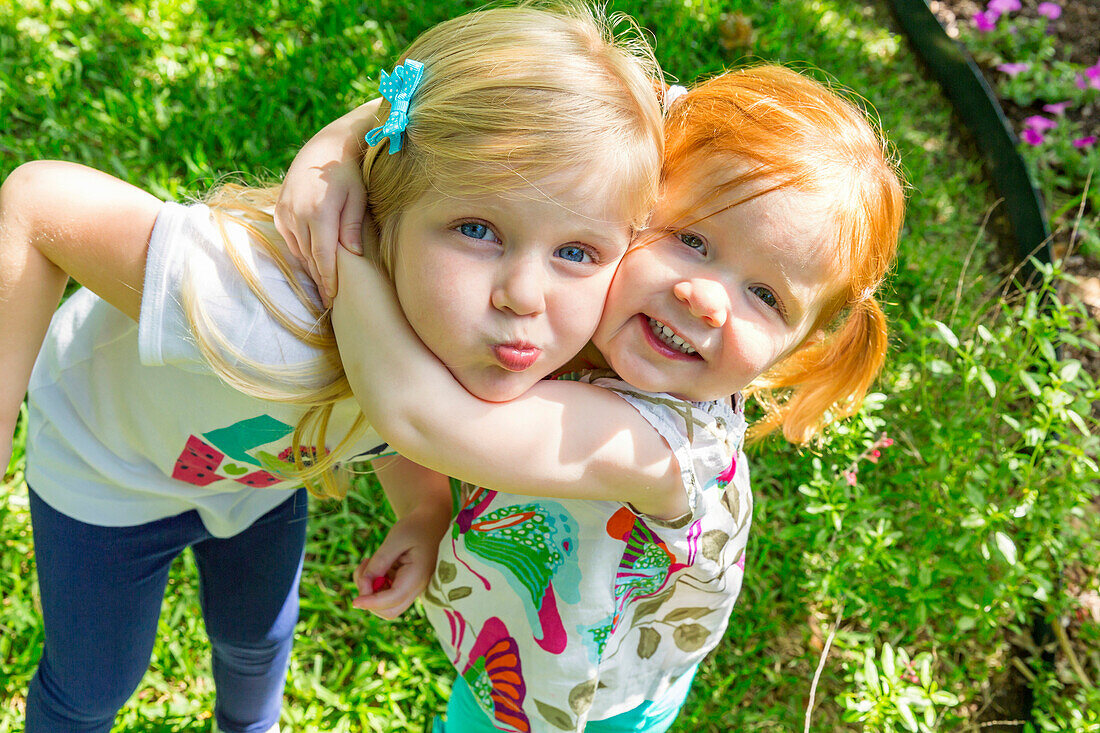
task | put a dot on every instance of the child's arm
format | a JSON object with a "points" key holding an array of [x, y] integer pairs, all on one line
{"points": [[56, 220], [399, 570], [562, 439], [322, 201]]}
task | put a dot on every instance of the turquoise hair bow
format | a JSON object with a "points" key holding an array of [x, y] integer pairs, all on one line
{"points": [[397, 89]]}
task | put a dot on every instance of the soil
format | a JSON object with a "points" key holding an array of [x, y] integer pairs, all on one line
{"points": [[1077, 37]]}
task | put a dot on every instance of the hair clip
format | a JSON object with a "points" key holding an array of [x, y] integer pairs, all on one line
{"points": [[397, 89]]}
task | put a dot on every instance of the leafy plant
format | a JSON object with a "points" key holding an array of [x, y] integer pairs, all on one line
{"points": [[896, 693]]}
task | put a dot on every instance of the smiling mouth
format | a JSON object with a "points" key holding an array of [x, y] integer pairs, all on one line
{"points": [[668, 337]]}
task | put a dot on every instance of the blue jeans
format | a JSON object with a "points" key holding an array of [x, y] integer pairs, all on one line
{"points": [[102, 589], [464, 714]]}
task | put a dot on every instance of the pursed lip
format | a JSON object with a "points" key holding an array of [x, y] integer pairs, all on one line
{"points": [[660, 346], [516, 356]]}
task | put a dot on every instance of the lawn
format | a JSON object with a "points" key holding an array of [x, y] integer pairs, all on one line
{"points": [[969, 541]]}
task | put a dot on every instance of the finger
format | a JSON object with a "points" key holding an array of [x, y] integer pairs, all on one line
{"points": [[325, 240], [359, 575], [386, 604], [351, 221], [409, 580]]}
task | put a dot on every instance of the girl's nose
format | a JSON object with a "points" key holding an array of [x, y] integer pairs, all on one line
{"points": [[520, 288], [706, 299]]}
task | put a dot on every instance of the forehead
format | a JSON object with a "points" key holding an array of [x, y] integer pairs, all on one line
{"points": [[582, 192], [711, 189]]}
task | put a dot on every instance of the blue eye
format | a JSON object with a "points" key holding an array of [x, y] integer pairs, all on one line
{"points": [[573, 253], [694, 241], [474, 230], [767, 297]]}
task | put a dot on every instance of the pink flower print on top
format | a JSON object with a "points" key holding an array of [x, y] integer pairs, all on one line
{"points": [[646, 565], [726, 476], [533, 545], [198, 463], [495, 676]]}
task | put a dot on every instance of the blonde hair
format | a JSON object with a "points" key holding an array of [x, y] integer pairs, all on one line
{"points": [[513, 95], [510, 95], [795, 133]]}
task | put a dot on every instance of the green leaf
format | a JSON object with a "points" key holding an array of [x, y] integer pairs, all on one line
{"points": [[687, 612], [690, 637], [1030, 384], [987, 382], [1069, 370], [648, 641], [460, 592], [939, 366], [1048, 351], [1078, 421], [906, 714], [947, 334], [555, 716], [943, 697], [870, 673], [1006, 546], [887, 661]]}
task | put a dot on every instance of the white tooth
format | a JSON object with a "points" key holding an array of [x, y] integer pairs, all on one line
{"points": [[667, 331]]}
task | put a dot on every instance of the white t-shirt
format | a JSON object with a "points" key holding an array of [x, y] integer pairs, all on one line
{"points": [[127, 422]]}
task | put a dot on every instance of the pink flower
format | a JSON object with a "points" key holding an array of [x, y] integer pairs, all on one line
{"points": [[986, 21], [1053, 11], [874, 455], [1084, 142], [1003, 6], [1057, 109], [1093, 73], [850, 476], [1032, 136], [1040, 123], [1014, 69]]}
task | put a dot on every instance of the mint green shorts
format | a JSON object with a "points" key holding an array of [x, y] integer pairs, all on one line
{"points": [[464, 715]]}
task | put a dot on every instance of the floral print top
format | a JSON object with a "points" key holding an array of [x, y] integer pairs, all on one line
{"points": [[561, 611]]}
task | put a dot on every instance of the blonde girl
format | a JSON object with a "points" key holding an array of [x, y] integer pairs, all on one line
{"points": [[183, 396], [582, 591]]}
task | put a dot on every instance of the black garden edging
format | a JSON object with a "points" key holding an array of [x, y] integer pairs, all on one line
{"points": [[981, 114]]}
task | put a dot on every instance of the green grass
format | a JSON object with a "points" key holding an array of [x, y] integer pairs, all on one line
{"points": [[174, 96]]}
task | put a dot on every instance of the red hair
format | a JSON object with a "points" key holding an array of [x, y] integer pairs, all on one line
{"points": [[796, 133]]}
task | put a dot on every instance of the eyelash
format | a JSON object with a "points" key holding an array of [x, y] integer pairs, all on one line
{"points": [[593, 257], [777, 305], [458, 228], [592, 254], [684, 236]]}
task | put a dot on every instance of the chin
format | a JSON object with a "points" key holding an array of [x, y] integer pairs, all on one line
{"points": [[497, 391]]}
